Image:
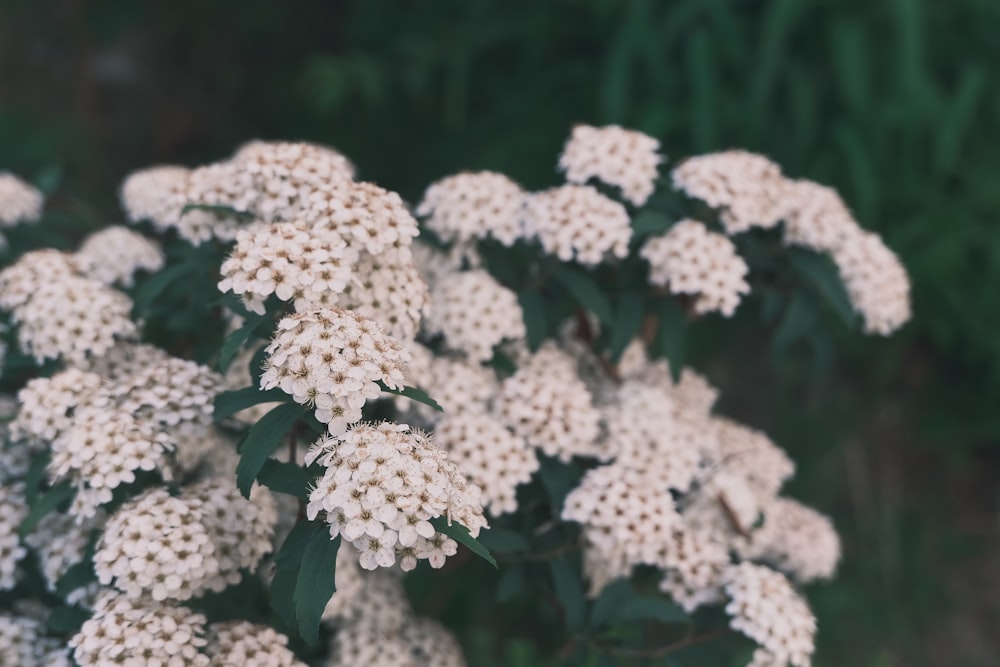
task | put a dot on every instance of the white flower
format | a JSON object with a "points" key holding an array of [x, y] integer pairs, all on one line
{"points": [[19, 201], [576, 222], [474, 205], [624, 158]]}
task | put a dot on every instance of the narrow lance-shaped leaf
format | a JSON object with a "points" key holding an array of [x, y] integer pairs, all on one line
{"points": [[820, 272], [286, 477], [628, 321], [671, 335], [236, 339], [584, 291], [45, 503], [262, 440], [316, 584], [286, 572], [461, 534], [414, 393], [535, 317], [569, 590], [228, 403]]}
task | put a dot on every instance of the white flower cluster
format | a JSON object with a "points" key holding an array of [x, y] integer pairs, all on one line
{"points": [[60, 313], [175, 548], [747, 188], [104, 448], [457, 383], [689, 259], [471, 206], [114, 254], [245, 644], [750, 191], [12, 513], [474, 313], [382, 485], [764, 606], [134, 632], [60, 542], [796, 539], [376, 626], [546, 403], [486, 452], [333, 360], [23, 644], [19, 201], [614, 155], [576, 222]]}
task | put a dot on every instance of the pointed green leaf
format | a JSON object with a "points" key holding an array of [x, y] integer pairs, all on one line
{"points": [[650, 222], [236, 339], [568, 587], [820, 272], [157, 284], [460, 534], [671, 335], [287, 563], [612, 598], [67, 620], [228, 403], [418, 395], [511, 583], [652, 609], [46, 502], [288, 478], [799, 317], [585, 291], [501, 541], [536, 322], [262, 440], [316, 584], [628, 320]]}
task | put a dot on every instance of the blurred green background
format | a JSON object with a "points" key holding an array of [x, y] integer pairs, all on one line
{"points": [[894, 102]]}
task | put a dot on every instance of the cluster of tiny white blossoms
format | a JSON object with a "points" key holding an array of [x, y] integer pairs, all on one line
{"points": [[796, 539], [690, 259], [60, 312], [457, 384], [548, 405], [245, 644], [129, 631], [333, 361], [115, 254], [764, 606], [749, 190], [60, 542], [12, 511], [23, 644], [374, 625], [167, 547], [381, 486], [474, 313], [614, 155], [471, 206], [19, 201], [576, 222]]}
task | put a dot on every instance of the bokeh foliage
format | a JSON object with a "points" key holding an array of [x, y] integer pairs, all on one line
{"points": [[895, 102]]}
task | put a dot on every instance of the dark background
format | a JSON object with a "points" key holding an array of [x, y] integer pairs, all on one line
{"points": [[894, 102]]}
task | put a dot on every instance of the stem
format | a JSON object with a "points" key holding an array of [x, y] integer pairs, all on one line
{"points": [[659, 651]]}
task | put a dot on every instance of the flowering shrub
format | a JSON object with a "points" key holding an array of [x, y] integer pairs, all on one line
{"points": [[251, 416]]}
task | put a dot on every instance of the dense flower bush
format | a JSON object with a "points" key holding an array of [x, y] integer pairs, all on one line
{"points": [[281, 382]]}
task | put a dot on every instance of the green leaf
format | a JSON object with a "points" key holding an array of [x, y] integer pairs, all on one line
{"points": [[650, 223], [157, 284], [287, 564], [558, 478], [67, 620], [611, 599], [414, 393], [799, 317], [262, 440], [820, 272], [536, 320], [79, 574], [46, 502], [500, 541], [653, 609], [288, 478], [227, 211], [36, 473], [228, 403], [511, 583], [316, 584], [628, 321], [585, 291], [671, 335], [236, 339], [461, 534], [568, 586]]}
